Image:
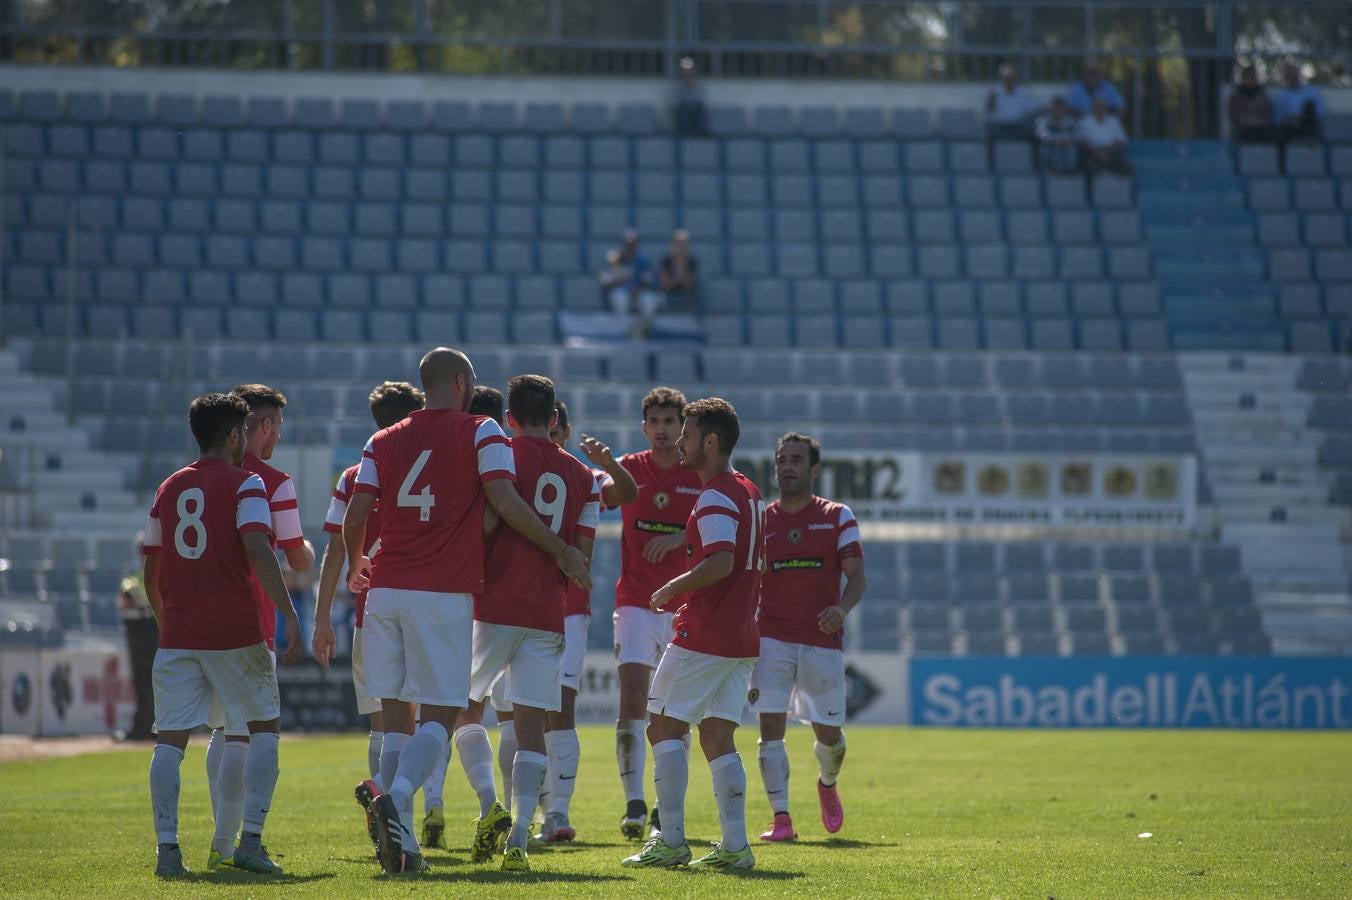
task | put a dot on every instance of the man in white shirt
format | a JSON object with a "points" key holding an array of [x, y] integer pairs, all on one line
{"points": [[1103, 141], [1010, 109]]}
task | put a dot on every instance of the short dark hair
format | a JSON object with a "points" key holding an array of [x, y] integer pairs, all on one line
{"points": [[530, 400], [814, 449], [213, 416], [562, 409], [664, 396], [487, 401], [260, 397], [392, 401], [715, 415]]}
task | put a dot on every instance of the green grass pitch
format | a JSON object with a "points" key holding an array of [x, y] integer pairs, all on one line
{"points": [[929, 813]]}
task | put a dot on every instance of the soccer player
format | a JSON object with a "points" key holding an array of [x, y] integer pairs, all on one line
{"points": [[518, 617], [207, 542], [390, 402], [562, 746], [434, 473], [704, 673], [652, 546], [229, 741], [809, 543]]}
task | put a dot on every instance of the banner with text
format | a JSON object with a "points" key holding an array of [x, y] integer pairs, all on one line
{"points": [[1004, 489], [1132, 692]]}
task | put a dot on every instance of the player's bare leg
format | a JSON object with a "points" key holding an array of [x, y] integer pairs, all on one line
{"points": [[774, 767], [528, 776], [829, 748], [476, 756], [563, 750]]}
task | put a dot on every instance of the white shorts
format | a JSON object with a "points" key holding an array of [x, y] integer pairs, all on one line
{"points": [[187, 683], [574, 650], [801, 679], [417, 646], [693, 686], [219, 719], [498, 696], [641, 635], [529, 658], [366, 704]]}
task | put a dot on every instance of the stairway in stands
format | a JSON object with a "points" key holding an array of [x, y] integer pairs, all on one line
{"points": [[1270, 496], [1211, 270]]}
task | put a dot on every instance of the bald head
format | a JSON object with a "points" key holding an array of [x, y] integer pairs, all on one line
{"points": [[447, 378]]}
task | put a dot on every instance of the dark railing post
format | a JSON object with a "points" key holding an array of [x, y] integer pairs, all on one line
{"points": [[424, 26], [328, 27]]}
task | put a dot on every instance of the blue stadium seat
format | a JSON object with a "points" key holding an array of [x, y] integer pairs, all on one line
{"points": [[911, 124], [927, 191], [360, 115], [878, 158], [563, 152], [112, 142], [591, 118], [1033, 263], [837, 191], [334, 325], [864, 122], [891, 261], [165, 286], [396, 292], [1112, 192], [1020, 192], [974, 191]]}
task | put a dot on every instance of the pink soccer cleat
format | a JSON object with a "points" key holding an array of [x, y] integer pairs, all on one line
{"points": [[781, 829], [833, 814]]}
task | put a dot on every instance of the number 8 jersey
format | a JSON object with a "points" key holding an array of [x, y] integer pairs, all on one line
{"points": [[205, 579], [428, 473]]}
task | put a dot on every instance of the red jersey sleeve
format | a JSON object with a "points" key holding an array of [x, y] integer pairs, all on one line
{"points": [[848, 543], [368, 479], [494, 452], [152, 540], [590, 516], [251, 507], [716, 518], [342, 493]]}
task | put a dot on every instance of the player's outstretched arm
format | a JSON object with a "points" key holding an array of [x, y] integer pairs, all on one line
{"points": [[503, 497], [269, 574], [832, 619], [622, 488], [150, 579], [713, 569], [330, 570], [354, 535]]}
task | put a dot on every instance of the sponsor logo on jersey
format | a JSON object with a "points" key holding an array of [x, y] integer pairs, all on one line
{"points": [[661, 499], [820, 526], [689, 490], [795, 535], [797, 563], [657, 527]]}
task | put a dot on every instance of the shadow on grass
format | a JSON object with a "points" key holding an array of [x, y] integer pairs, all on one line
{"points": [[252, 880], [494, 876], [843, 844]]}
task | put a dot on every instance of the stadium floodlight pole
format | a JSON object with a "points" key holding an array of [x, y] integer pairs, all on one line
{"points": [[72, 248]]}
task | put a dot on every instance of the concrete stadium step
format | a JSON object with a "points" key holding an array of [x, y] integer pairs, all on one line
{"points": [[1155, 149], [1185, 339], [1294, 473], [1169, 217], [1197, 178], [1165, 235], [1311, 549], [100, 522], [1272, 495], [1206, 272], [1211, 202]]}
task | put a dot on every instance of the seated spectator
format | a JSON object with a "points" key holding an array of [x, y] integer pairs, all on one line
{"points": [[688, 113], [1250, 109], [1102, 141], [1057, 152], [678, 275], [1091, 87], [1298, 108], [1009, 109], [627, 284]]}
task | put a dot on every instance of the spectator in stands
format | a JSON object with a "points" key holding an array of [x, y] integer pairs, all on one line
{"points": [[627, 283], [1091, 87], [1250, 109], [143, 640], [678, 276], [688, 113], [1102, 141], [1057, 150], [1010, 109], [1298, 107]]}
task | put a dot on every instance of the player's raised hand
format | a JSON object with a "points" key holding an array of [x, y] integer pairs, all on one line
{"points": [[831, 619], [323, 642], [293, 641], [658, 547], [596, 451], [359, 575], [573, 564]]}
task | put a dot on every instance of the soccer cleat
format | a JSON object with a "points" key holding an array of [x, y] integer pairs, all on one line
{"points": [[833, 814], [389, 834], [725, 860], [635, 817], [366, 793], [256, 861], [515, 860], [781, 829], [488, 830], [169, 862], [657, 855], [556, 830], [217, 861], [654, 825], [434, 829]]}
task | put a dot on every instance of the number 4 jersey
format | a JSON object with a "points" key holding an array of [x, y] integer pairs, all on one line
{"points": [[428, 473], [205, 580], [523, 584]]}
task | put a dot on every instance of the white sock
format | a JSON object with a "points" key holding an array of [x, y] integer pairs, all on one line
{"points": [[631, 753], [528, 775], [671, 772], [373, 745], [165, 762], [230, 795], [390, 748], [416, 761], [215, 747], [261, 769], [435, 787], [829, 760], [730, 793], [506, 754], [564, 752], [774, 766], [476, 756]]}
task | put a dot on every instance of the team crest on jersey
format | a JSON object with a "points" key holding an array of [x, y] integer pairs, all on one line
{"points": [[661, 499], [752, 696], [795, 535]]}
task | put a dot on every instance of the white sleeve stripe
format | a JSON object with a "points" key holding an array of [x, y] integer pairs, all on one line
{"points": [[846, 517], [496, 457], [366, 472], [714, 498], [591, 515], [337, 509], [285, 491], [152, 536], [253, 511], [252, 483], [487, 429], [717, 530], [848, 536], [286, 524]]}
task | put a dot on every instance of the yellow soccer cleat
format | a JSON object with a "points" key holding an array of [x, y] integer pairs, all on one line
{"points": [[515, 860], [434, 829], [216, 861], [488, 830]]}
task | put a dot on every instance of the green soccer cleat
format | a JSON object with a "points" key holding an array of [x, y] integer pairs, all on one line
{"points": [[515, 860], [488, 831], [217, 861], [657, 855], [256, 861], [725, 860], [434, 829], [169, 862]]}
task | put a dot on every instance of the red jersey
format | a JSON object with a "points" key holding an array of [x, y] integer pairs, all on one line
{"points": [[664, 502], [577, 601], [803, 553], [286, 533], [205, 580], [522, 584], [721, 619], [428, 471], [333, 522]]}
